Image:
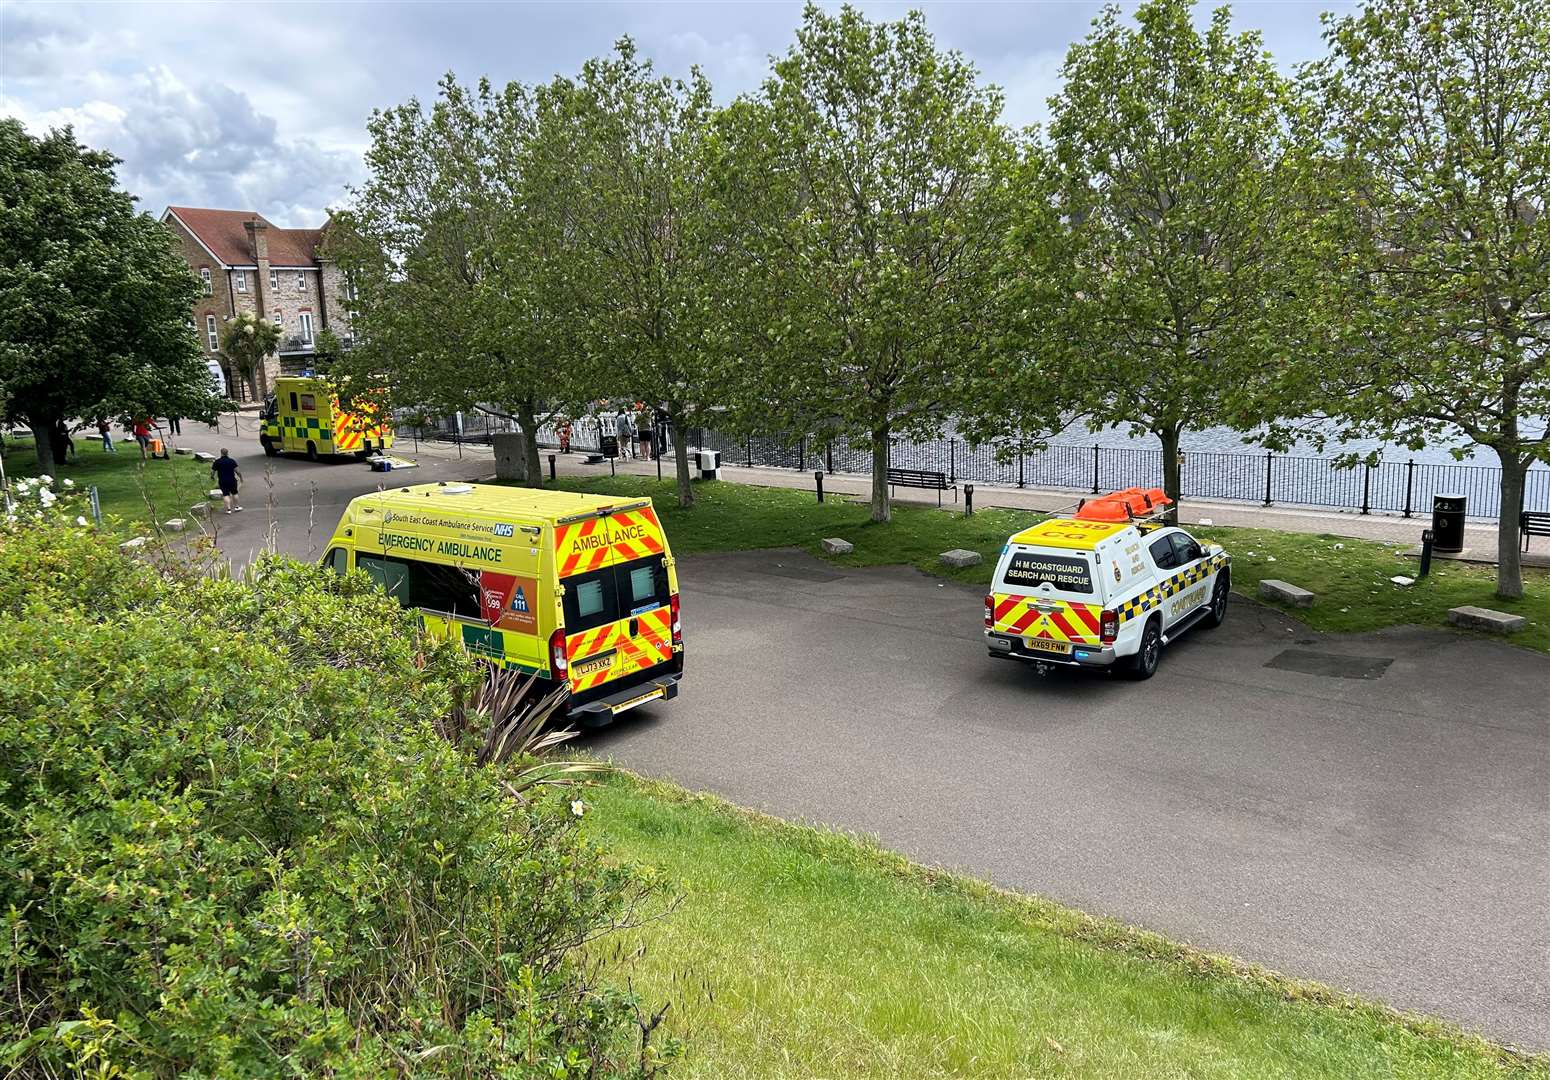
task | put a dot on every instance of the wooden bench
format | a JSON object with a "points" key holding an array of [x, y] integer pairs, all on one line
{"points": [[922, 478], [1533, 523]]}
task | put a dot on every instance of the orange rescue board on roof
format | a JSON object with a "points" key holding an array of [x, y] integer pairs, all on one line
{"points": [[589, 544], [1123, 505]]}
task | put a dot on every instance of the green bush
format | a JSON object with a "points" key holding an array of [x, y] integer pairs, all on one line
{"points": [[231, 843]]}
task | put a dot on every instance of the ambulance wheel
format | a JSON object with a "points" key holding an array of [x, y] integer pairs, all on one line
{"points": [[312, 451], [269, 447], [1143, 665], [1218, 614]]}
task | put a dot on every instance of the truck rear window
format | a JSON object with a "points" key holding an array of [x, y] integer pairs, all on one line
{"points": [[1030, 569]]}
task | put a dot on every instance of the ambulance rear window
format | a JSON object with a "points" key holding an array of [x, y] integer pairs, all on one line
{"points": [[1067, 573]]}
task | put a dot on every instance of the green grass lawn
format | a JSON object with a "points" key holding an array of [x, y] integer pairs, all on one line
{"points": [[1352, 582], [130, 489], [800, 952]]}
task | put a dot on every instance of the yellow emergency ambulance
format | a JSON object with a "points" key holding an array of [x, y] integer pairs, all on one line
{"points": [[1106, 586], [303, 416], [579, 589]]}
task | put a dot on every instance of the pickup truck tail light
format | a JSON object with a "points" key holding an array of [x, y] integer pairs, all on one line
{"points": [[1108, 626], [678, 626], [990, 613], [558, 661]]}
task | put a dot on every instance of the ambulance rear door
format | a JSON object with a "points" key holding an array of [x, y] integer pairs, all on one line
{"points": [[617, 598]]}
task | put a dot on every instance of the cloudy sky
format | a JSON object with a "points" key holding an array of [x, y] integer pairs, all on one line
{"points": [[263, 106]]}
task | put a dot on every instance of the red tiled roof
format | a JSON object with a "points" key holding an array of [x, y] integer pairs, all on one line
{"points": [[224, 233]]}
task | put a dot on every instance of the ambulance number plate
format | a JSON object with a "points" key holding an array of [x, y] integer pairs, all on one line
{"points": [[1036, 644], [594, 664]]}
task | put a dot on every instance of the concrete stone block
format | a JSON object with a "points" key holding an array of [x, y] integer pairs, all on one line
{"points": [[1285, 593], [960, 557], [175, 524], [214, 493], [135, 544], [200, 510], [184, 450], [1479, 618], [833, 545], [200, 455]]}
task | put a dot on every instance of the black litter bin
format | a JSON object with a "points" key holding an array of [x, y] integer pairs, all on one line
{"points": [[609, 446], [1448, 523]]}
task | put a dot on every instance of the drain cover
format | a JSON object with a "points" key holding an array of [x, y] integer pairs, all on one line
{"points": [[1333, 665]]}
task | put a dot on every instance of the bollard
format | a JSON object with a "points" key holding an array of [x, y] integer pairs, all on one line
{"points": [[1426, 553], [551, 468], [968, 500], [818, 479]]}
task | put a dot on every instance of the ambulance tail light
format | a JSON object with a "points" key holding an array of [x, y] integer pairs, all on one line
{"points": [[559, 663], [1108, 626], [990, 613], [678, 626]]}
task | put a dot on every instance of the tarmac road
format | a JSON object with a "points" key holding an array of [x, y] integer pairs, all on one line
{"points": [[1387, 835]]}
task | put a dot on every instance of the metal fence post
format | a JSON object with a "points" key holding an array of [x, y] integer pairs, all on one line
{"points": [[750, 451], [1367, 489], [1095, 468], [1019, 466], [1409, 483], [96, 505], [952, 460], [801, 452], [1269, 460], [829, 455]]}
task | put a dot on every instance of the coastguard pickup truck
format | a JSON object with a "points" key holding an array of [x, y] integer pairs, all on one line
{"points": [[1105, 587]]}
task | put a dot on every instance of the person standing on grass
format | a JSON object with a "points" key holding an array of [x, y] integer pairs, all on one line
{"points": [[142, 430], [105, 430], [228, 477]]}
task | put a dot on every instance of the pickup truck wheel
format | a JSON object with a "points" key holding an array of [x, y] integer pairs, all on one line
{"points": [[1218, 613], [1143, 665]]}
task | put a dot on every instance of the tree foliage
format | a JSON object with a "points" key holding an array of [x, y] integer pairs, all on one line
{"points": [[457, 242], [94, 300], [866, 186], [640, 235], [1147, 254], [1430, 319], [246, 341], [232, 843]]}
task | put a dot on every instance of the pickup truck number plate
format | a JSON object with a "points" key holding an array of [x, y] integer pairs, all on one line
{"points": [[1046, 645]]}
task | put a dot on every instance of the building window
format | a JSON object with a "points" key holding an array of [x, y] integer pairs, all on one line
{"points": [[301, 280], [306, 327], [274, 279], [279, 319], [215, 338], [204, 277], [241, 277], [352, 291]]}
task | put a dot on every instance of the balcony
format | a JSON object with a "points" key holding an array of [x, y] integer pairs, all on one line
{"points": [[295, 346]]}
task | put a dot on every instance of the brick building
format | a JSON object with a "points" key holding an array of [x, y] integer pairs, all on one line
{"points": [[247, 264]]}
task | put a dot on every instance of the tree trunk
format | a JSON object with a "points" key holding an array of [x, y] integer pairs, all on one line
{"points": [[681, 459], [528, 423], [43, 439], [1509, 558], [882, 448], [1171, 478]]}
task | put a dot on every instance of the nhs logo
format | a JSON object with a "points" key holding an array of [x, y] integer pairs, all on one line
{"points": [[505, 530]]}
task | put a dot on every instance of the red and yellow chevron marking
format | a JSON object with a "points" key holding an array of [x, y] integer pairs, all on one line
{"points": [[1076, 623], [651, 645], [347, 434], [586, 545]]}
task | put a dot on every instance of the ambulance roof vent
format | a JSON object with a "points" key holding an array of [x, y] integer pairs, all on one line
{"points": [[455, 489]]}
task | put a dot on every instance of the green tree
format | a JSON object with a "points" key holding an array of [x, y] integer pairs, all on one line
{"points": [[327, 351], [866, 190], [457, 242], [246, 340], [94, 301], [646, 258], [1147, 253], [1431, 128]]}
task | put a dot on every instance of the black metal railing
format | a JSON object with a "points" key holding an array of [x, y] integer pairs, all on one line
{"points": [[1268, 479]]}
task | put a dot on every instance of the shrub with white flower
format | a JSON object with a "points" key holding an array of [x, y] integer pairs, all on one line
{"points": [[33, 498]]}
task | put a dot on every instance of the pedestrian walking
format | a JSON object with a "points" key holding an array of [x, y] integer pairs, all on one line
{"points": [[142, 431], [564, 432], [647, 433], [228, 477], [622, 425], [105, 430], [174, 425]]}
